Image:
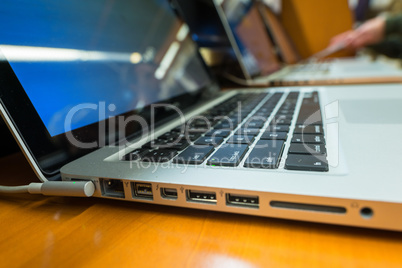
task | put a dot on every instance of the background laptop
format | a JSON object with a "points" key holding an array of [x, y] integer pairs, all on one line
{"points": [[253, 59], [120, 88]]}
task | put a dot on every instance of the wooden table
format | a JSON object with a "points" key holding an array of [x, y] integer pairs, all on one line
{"points": [[39, 231]]}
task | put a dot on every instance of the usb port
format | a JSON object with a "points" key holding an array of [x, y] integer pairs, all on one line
{"points": [[169, 193], [251, 201], [201, 196], [142, 190]]}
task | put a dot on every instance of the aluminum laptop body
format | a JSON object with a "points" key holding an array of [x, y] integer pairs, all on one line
{"points": [[90, 98], [254, 53]]}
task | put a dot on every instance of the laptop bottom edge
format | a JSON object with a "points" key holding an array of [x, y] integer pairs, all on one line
{"points": [[341, 211]]}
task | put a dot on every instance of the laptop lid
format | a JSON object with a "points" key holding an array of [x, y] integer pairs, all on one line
{"points": [[251, 52], [71, 71]]}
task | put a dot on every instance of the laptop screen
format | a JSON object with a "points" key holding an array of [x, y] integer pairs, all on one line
{"points": [[75, 68], [247, 29], [74, 57], [234, 28]]}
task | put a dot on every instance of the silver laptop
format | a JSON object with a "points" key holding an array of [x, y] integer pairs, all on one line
{"points": [[118, 95], [254, 54]]}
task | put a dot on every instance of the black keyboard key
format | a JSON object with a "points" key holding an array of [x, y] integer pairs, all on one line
{"points": [[274, 135], [293, 96], [160, 155], [299, 148], [248, 131], [158, 143], [197, 130], [200, 123], [228, 155], [281, 122], [190, 136], [226, 125], [278, 128], [311, 129], [218, 133], [285, 112], [246, 111], [254, 124], [194, 155], [169, 136], [265, 154], [308, 138], [255, 118], [202, 129], [288, 106], [177, 145], [306, 162], [241, 139], [264, 115], [279, 117], [209, 140], [136, 154], [310, 112]]}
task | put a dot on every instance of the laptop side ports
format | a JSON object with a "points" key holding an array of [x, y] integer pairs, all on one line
{"points": [[142, 190], [251, 201], [112, 188], [169, 193], [201, 196]]}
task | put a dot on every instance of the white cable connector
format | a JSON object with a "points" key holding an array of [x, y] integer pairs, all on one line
{"points": [[62, 188]]}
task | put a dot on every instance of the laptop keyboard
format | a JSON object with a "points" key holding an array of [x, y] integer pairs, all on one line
{"points": [[316, 66], [245, 131]]}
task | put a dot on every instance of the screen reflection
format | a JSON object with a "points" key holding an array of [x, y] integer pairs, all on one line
{"points": [[126, 53]]}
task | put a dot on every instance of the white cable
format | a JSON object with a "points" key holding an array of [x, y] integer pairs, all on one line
{"points": [[62, 188], [14, 189]]}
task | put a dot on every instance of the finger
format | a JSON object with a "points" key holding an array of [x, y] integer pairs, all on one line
{"points": [[340, 37]]}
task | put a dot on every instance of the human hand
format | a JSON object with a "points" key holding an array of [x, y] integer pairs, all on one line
{"points": [[370, 32]]}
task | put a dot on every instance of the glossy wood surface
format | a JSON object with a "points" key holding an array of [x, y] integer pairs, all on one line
{"points": [[39, 231]]}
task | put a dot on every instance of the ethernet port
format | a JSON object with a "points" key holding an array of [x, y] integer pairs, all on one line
{"points": [[142, 190], [112, 188]]}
